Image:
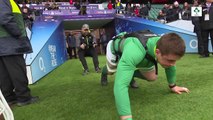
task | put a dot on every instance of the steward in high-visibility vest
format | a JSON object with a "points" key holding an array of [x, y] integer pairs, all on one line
{"points": [[13, 44], [13, 36]]}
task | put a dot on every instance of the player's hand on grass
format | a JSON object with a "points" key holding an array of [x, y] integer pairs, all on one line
{"points": [[179, 90]]}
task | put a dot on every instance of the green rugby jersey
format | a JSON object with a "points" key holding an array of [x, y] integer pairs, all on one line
{"points": [[133, 58]]}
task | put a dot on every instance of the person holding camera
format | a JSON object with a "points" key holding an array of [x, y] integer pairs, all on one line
{"points": [[87, 48]]}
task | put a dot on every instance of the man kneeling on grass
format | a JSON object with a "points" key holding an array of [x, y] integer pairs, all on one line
{"points": [[136, 55]]}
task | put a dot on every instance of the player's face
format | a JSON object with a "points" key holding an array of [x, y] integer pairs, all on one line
{"points": [[85, 31], [166, 60]]}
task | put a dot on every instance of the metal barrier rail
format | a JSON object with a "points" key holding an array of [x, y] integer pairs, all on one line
{"points": [[5, 108]]}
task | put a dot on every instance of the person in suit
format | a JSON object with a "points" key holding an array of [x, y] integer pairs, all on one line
{"points": [[206, 22], [197, 29]]}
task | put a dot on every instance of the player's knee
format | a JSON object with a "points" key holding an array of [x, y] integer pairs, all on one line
{"points": [[152, 78], [110, 73]]}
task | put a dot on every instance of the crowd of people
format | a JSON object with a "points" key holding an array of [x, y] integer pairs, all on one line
{"points": [[130, 8], [169, 12], [174, 12]]}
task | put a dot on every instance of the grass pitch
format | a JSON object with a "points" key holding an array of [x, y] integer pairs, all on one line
{"points": [[67, 95]]}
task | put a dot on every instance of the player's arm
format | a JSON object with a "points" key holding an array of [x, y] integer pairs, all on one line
{"points": [[171, 78], [131, 56]]}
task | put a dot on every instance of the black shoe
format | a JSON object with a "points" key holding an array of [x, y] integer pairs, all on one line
{"points": [[104, 80], [30, 101], [98, 70], [11, 103], [85, 72], [133, 84], [204, 56]]}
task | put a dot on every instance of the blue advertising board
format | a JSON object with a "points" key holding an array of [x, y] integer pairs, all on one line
{"points": [[130, 23], [49, 48]]}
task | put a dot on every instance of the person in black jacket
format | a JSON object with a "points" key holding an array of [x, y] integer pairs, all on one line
{"points": [[13, 44], [144, 11], [197, 29], [77, 5], [27, 16], [206, 22], [87, 48], [71, 41]]}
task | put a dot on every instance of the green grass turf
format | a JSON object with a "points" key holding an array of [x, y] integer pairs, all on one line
{"points": [[67, 95]]}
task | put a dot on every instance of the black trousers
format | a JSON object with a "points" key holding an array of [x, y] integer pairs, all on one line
{"points": [[200, 42], [104, 48], [13, 78], [82, 53], [70, 50], [205, 40]]}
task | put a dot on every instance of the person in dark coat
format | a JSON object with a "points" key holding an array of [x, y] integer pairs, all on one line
{"points": [[13, 44], [103, 41], [144, 11], [206, 23], [197, 29], [71, 41]]}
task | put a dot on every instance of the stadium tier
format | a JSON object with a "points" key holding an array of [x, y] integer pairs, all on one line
{"points": [[48, 39]]}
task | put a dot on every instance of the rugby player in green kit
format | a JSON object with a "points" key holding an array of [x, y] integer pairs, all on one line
{"points": [[136, 55]]}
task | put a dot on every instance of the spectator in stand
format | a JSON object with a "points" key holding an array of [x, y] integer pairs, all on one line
{"points": [[177, 10], [161, 17], [110, 5], [170, 15], [134, 6], [24, 6], [34, 2], [186, 11], [128, 9], [136, 11], [47, 6], [27, 16], [77, 5], [83, 10], [149, 5], [118, 6], [54, 6], [71, 2], [165, 8], [128, 2], [144, 11]]}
